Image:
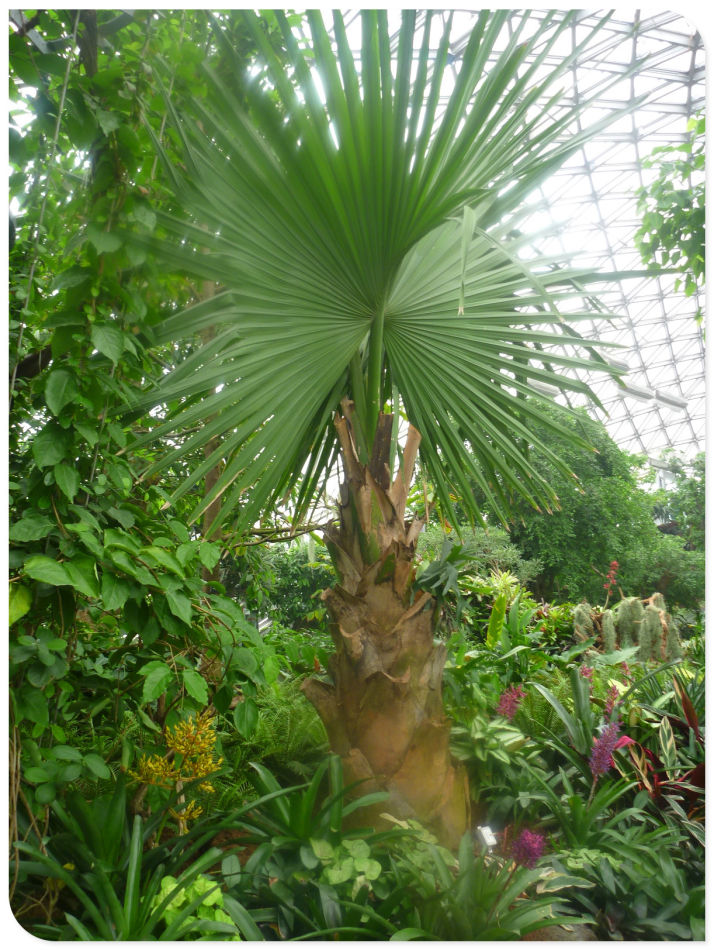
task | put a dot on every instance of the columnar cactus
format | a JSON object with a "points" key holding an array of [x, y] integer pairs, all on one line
{"points": [[672, 644], [609, 634], [651, 634], [629, 620], [633, 623], [583, 621]]}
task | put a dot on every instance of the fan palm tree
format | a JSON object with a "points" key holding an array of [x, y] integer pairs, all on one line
{"points": [[364, 239]]}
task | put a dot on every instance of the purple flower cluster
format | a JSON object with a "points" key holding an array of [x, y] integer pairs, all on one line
{"points": [[527, 848], [603, 747], [509, 701]]}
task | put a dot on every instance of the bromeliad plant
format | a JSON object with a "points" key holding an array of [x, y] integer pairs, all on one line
{"points": [[113, 885], [366, 249]]}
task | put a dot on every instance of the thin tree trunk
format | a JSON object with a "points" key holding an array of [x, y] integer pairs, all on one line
{"points": [[383, 712]]}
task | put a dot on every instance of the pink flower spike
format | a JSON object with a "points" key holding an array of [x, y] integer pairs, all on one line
{"points": [[603, 747], [509, 701]]}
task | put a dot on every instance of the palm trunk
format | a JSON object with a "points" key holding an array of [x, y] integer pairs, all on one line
{"points": [[383, 712]]}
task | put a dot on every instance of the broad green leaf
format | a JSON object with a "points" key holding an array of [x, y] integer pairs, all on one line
{"points": [[31, 527], [20, 601], [108, 121], [158, 677], [104, 241], [163, 558], [323, 849], [209, 554], [82, 573], [87, 537], [496, 620], [245, 717], [88, 432], [96, 764], [67, 479], [180, 606], [32, 705], [185, 551], [46, 569], [180, 530], [195, 685], [271, 667], [71, 278], [66, 753], [125, 518], [369, 867], [115, 591], [114, 538], [69, 772], [244, 660], [46, 793], [38, 773], [60, 390], [51, 445], [144, 215], [108, 340]]}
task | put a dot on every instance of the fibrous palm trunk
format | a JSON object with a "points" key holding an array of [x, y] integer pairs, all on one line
{"points": [[383, 710]]}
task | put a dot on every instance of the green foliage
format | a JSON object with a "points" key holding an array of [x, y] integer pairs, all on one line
{"points": [[301, 572], [307, 877], [209, 909], [289, 739], [487, 898], [672, 208], [644, 895], [486, 551], [124, 900], [300, 651], [493, 750], [114, 632], [686, 502], [606, 493]]}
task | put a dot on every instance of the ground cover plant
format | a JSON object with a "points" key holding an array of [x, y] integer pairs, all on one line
{"points": [[223, 708]]}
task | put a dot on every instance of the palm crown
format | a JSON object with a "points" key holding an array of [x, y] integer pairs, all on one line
{"points": [[365, 242]]}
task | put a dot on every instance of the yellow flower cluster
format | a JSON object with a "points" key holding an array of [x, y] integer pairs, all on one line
{"points": [[192, 744], [156, 770], [193, 740], [189, 813]]}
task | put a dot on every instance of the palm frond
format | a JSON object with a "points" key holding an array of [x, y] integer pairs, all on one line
{"points": [[355, 230]]}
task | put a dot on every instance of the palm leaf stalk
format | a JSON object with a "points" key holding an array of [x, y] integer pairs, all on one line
{"points": [[369, 264]]}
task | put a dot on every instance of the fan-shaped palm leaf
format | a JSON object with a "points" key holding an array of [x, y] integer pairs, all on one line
{"points": [[354, 227]]}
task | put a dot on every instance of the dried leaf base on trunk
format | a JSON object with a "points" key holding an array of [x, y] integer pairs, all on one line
{"points": [[383, 710]]}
